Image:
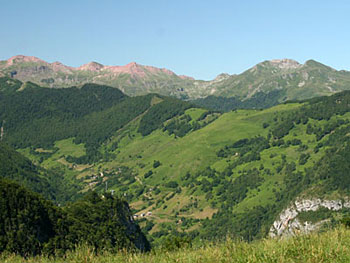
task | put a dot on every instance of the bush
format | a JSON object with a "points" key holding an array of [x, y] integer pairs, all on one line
{"points": [[265, 125], [156, 164], [172, 184], [148, 174]]}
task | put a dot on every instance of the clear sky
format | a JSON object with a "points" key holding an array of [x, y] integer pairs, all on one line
{"points": [[197, 38]]}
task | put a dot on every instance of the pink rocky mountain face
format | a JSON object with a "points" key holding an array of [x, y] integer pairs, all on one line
{"points": [[21, 58], [133, 79], [134, 69]]}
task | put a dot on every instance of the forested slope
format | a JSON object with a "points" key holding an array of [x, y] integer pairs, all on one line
{"points": [[18, 168], [30, 225], [33, 116]]}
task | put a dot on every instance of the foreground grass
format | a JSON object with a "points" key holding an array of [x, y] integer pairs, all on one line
{"points": [[330, 246]]}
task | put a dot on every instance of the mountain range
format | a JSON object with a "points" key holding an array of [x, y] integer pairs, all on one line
{"points": [[187, 171], [292, 80]]}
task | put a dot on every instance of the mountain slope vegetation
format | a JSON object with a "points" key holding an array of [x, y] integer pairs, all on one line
{"points": [[37, 117], [259, 100], [52, 184], [298, 81], [239, 171], [196, 173], [30, 225]]}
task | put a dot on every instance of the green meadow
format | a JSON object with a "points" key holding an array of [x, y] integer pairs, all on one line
{"points": [[182, 179]]}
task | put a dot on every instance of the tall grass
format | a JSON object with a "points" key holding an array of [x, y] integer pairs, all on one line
{"points": [[330, 246]]}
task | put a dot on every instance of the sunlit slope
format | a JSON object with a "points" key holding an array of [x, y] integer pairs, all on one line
{"points": [[207, 174], [197, 149]]}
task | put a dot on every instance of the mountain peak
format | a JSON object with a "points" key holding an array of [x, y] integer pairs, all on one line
{"points": [[185, 77], [22, 58], [222, 76], [91, 66], [285, 63], [136, 70], [132, 64], [57, 63], [132, 68], [314, 63]]}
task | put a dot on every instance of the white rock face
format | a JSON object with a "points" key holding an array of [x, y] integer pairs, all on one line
{"points": [[301, 84], [287, 223], [285, 63]]}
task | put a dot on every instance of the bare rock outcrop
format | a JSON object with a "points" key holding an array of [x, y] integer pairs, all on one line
{"points": [[288, 224]]}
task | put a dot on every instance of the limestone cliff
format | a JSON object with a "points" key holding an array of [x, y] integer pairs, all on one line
{"points": [[288, 223]]}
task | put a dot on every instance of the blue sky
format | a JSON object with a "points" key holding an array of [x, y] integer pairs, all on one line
{"points": [[196, 38]]}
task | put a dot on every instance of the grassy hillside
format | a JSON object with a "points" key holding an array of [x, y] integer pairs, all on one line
{"points": [[37, 117], [184, 180], [193, 172], [329, 246]]}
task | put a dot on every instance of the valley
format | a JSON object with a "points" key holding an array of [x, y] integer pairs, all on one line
{"points": [[167, 131], [185, 171]]}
